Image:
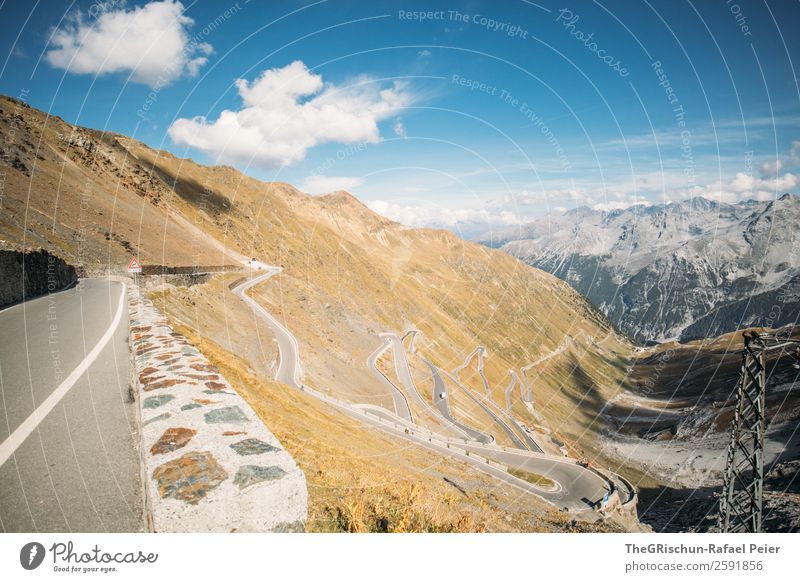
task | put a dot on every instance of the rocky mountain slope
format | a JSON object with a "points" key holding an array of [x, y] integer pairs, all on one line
{"points": [[81, 193], [687, 270], [349, 275], [97, 199]]}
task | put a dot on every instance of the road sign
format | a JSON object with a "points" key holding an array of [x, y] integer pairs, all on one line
{"points": [[134, 266]]}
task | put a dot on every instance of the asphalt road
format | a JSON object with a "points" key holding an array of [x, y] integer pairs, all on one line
{"points": [[289, 371], [497, 420], [482, 372], [578, 489], [441, 399], [403, 371], [510, 387], [487, 406], [68, 428], [401, 406]]}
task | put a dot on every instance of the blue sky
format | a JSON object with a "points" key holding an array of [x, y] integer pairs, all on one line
{"points": [[455, 114]]}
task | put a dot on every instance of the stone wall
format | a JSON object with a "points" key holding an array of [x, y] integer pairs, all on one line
{"points": [[28, 275], [155, 281], [159, 270], [210, 464]]}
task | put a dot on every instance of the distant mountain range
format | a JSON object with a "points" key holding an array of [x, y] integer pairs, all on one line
{"points": [[685, 270]]}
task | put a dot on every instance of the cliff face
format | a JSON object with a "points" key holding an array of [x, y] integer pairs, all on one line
{"points": [[28, 275]]}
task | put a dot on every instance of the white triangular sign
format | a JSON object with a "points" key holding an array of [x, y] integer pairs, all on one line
{"points": [[134, 266]]}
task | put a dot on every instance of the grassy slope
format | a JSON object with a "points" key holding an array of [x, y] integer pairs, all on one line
{"points": [[360, 479], [95, 208], [349, 273]]}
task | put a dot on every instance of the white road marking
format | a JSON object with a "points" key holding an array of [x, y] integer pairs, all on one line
{"points": [[24, 430]]}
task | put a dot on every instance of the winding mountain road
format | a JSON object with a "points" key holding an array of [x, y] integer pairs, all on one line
{"points": [[480, 352], [497, 420], [441, 398], [579, 488], [289, 370], [497, 414], [403, 371], [401, 406], [576, 488]]}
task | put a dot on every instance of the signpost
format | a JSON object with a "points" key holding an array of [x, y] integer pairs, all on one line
{"points": [[134, 266]]}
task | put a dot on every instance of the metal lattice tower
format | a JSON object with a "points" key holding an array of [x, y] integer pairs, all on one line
{"points": [[743, 485], [740, 506]]}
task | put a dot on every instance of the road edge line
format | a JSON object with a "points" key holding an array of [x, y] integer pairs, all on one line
{"points": [[9, 446]]}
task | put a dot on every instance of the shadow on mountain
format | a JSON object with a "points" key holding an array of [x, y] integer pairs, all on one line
{"points": [[679, 510], [671, 510], [585, 396], [193, 192]]}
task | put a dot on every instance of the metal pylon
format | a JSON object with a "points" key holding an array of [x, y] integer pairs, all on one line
{"points": [[741, 501]]}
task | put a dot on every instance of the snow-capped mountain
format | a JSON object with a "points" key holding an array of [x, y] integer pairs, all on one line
{"points": [[683, 270]]}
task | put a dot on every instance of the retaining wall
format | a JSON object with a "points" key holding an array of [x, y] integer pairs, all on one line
{"points": [[27, 275], [210, 464]]}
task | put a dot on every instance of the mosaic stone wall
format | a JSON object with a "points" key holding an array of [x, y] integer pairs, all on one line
{"points": [[210, 464]]}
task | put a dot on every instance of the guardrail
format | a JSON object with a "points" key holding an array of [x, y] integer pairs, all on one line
{"points": [[433, 438], [402, 426], [149, 270]]}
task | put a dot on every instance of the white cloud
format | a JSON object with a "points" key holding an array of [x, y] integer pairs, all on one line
{"points": [[616, 199], [746, 187], [771, 168], [770, 121], [656, 188], [424, 53], [431, 215], [289, 110], [512, 209], [325, 184], [620, 203], [794, 152], [150, 42], [399, 129]]}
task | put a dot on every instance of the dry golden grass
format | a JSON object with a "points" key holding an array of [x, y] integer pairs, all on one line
{"points": [[95, 207], [349, 274], [360, 480], [532, 478]]}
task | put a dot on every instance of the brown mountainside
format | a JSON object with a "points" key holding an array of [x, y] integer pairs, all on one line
{"points": [[349, 274], [97, 199]]}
